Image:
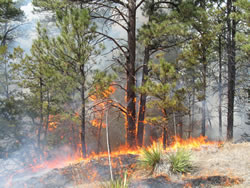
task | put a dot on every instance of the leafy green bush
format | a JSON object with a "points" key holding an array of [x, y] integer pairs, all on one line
{"points": [[151, 157], [180, 161]]}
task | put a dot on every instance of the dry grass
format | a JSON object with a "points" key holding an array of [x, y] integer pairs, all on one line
{"points": [[231, 160]]}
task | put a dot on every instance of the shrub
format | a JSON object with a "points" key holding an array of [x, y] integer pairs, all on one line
{"points": [[180, 161], [150, 157]]}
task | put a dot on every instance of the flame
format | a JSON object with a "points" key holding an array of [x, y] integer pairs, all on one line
{"points": [[188, 185], [61, 161], [192, 143], [53, 122], [99, 106]]}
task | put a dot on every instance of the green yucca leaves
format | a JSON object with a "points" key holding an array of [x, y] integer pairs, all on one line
{"points": [[151, 157], [119, 183], [180, 161]]}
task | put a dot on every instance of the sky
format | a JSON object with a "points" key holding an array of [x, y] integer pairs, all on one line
{"points": [[27, 31]]}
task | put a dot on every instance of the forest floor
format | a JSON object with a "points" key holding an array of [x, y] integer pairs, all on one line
{"points": [[232, 160], [228, 160]]}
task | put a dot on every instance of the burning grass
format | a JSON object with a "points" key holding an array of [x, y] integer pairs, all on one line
{"points": [[218, 165]]}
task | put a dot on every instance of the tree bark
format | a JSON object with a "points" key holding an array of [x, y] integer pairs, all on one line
{"points": [[83, 143], [74, 140], [99, 134], [47, 122], [174, 122], [164, 137], [193, 107], [220, 87], [231, 48], [203, 131], [41, 116], [142, 105], [131, 96], [189, 116]]}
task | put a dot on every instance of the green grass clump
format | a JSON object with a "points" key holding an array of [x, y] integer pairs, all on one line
{"points": [[180, 161], [150, 157]]}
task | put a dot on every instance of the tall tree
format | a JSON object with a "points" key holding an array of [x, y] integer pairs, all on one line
{"points": [[166, 95], [162, 32], [197, 52], [231, 65], [70, 54]]}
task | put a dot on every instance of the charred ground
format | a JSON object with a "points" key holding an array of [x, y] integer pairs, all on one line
{"points": [[216, 166]]}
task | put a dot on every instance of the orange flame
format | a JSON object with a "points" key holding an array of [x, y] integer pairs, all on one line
{"points": [[53, 122], [192, 143]]}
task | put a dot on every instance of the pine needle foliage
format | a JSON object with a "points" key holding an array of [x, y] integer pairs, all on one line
{"points": [[180, 161], [151, 157]]}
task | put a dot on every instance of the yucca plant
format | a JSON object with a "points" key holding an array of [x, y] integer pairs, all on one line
{"points": [[119, 183], [151, 157], [180, 161]]}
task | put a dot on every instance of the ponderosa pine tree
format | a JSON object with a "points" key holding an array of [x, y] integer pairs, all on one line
{"points": [[43, 98], [197, 51], [70, 55], [231, 65], [166, 96], [162, 32], [11, 107]]}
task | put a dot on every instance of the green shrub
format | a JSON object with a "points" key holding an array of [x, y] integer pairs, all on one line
{"points": [[150, 157], [180, 161]]}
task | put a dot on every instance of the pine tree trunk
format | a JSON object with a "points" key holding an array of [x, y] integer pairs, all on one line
{"points": [[174, 122], [193, 107], [99, 134], [189, 117], [164, 137], [142, 105], [74, 139], [83, 143], [231, 24], [41, 116], [203, 132], [131, 96], [47, 122], [220, 88]]}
